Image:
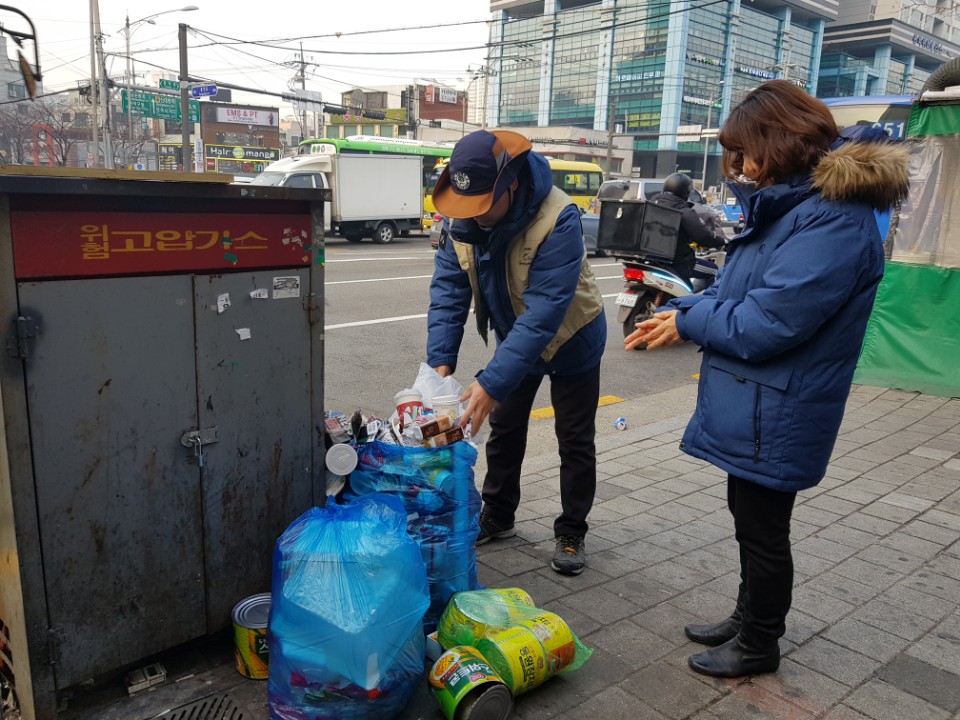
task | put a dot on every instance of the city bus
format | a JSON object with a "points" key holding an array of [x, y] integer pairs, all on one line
{"points": [[579, 180], [887, 112], [433, 155]]}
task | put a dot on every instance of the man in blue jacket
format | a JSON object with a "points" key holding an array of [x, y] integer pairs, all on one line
{"points": [[515, 247]]}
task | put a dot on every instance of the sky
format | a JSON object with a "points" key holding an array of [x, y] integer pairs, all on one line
{"points": [[334, 64]]}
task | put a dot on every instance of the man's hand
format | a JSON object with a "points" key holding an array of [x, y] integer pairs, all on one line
{"points": [[443, 370], [479, 405], [659, 331]]}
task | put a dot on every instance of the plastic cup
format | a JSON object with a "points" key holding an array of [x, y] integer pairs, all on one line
{"points": [[447, 405], [409, 404]]}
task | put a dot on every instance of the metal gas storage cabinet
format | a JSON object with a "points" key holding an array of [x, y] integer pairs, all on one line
{"points": [[162, 379]]}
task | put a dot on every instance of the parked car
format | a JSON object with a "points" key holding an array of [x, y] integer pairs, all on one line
{"points": [[591, 225], [435, 229]]}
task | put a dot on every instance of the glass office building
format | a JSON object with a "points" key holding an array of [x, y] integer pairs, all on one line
{"points": [[665, 73], [887, 49]]}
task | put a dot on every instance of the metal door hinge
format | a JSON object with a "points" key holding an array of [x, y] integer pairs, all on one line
{"points": [[312, 308], [24, 330]]}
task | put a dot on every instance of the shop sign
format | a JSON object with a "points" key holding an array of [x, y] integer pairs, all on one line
{"points": [[95, 243], [247, 116], [447, 95], [390, 116], [698, 101], [705, 59], [238, 152], [928, 44], [638, 76], [755, 72]]}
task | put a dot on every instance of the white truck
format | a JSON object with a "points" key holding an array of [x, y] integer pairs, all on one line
{"points": [[378, 196]]}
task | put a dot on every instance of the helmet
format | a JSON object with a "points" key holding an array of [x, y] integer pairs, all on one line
{"points": [[678, 184]]}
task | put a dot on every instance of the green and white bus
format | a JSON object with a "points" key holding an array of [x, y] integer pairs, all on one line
{"points": [[433, 155]]}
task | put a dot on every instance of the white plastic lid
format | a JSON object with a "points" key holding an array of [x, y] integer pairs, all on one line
{"points": [[446, 399], [341, 459], [407, 395]]}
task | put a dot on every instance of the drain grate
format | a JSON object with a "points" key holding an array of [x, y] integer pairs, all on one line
{"points": [[210, 708]]}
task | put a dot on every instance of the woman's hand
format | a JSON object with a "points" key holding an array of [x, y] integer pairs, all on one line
{"points": [[659, 331]]}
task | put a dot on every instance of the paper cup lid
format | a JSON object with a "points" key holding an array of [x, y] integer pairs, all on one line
{"points": [[446, 399], [341, 459], [407, 395]]}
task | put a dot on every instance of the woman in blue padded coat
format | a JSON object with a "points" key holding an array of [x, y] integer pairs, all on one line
{"points": [[781, 331]]}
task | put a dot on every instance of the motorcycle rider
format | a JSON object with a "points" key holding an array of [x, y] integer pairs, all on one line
{"points": [[675, 195]]}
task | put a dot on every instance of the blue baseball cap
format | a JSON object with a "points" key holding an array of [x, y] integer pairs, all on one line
{"points": [[481, 168]]}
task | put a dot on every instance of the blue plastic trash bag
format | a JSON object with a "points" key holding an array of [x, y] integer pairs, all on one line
{"points": [[443, 507], [346, 616]]}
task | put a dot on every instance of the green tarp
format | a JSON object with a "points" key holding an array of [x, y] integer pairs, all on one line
{"points": [[913, 335]]}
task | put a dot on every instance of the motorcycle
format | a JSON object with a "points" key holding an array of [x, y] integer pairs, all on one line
{"points": [[650, 283], [644, 237]]}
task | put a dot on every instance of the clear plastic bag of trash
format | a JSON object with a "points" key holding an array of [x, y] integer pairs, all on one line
{"points": [[346, 618]]}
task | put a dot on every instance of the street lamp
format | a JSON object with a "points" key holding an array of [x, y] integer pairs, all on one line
{"points": [[714, 96], [127, 29]]}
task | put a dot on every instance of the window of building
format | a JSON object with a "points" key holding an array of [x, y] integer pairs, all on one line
{"points": [[388, 131], [16, 90]]}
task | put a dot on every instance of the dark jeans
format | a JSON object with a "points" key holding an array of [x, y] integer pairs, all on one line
{"points": [[574, 399], [761, 517]]}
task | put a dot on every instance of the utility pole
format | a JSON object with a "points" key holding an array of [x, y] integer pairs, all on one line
{"points": [[610, 128], [184, 100], [104, 91], [94, 86], [303, 86]]}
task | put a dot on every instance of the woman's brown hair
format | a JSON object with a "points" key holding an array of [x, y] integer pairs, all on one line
{"points": [[780, 127]]}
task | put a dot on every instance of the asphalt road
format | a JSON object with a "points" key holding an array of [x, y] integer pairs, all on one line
{"points": [[376, 298]]}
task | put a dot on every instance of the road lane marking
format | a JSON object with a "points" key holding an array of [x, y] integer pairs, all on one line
{"points": [[547, 412], [378, 321], [405, 277], [372, 259]]}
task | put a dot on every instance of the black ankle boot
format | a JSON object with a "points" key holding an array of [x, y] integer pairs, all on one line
{"points": [[733, 659], [715, 634]]}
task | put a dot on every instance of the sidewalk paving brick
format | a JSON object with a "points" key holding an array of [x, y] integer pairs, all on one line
{"points": [[874, 632]]}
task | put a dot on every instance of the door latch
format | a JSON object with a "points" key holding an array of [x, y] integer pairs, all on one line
{"points": [[196, 439]]}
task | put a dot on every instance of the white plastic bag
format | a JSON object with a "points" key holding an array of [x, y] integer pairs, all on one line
{"points": [[431, 385]]}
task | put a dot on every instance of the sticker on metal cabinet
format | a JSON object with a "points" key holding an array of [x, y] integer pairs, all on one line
{"points": [[223, 302], [626, 299], [286, 287], [259, 294]]}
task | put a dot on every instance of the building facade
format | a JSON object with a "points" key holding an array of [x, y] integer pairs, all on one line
{"points": [[887, 47], [663, 73]]}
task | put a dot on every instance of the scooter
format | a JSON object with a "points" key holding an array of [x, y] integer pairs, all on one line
{"points": [[650, 283]]}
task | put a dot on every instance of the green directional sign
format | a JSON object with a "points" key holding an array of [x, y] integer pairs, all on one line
{"points": [[170, 84], [162, 107]]}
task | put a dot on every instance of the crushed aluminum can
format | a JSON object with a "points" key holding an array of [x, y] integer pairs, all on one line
{"points": [[620, 423]]}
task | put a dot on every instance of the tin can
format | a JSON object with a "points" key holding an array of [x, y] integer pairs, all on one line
{"points": [[517, 656], [471, 615], [252, 654], [467, 688], [557, 640], [620, 423]]}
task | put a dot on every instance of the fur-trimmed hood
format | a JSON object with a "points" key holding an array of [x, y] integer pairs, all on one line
{"points": [[869, 172]]}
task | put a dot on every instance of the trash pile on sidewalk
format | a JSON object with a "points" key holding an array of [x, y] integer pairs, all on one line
{"points": [[385, 576]]}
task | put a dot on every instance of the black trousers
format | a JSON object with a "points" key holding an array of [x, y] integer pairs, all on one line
{"points": [[574, 399], [761, 517]]}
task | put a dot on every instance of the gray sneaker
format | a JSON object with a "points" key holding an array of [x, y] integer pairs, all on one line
{"points": [[490, 529], [570, 556]]}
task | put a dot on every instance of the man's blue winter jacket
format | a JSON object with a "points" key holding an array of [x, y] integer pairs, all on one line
{"points": [[782, 327], [553, 280]]}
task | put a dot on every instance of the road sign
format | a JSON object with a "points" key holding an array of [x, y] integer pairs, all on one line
{"points": [[203, 90], [170, 84], [162, 107]]}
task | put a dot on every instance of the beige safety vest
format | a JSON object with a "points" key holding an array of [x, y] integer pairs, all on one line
{"points": [[587, 303]]}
